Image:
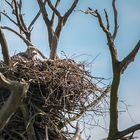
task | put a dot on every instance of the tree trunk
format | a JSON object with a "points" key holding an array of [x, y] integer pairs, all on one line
{"points": [[113, 129]]}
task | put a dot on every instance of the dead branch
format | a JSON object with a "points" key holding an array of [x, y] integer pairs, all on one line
{"points": [[4, 46], [77, 135], [28, 43], [44, 12], [86, 108], [110, 40], [53, 15], [54, 8], [107, 20], [130, 57], [5, 14], [127, 131], [19, 18], [35, 18], [116, 26], [70, 10], [17, 91]]}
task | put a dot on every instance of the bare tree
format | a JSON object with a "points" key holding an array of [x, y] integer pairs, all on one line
{"points": [[59, 92], [118, 67], [24, 31], [54, 34], [70, 92]]}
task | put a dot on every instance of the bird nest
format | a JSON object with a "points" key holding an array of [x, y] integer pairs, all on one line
{"points": [[59, 92]]}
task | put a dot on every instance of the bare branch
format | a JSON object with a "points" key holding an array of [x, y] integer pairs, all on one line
{"points": [[127, 131], [110, 40], [53, 15], [86, 108], [54, 9], [9, 4], [23, 23], [17, 90], [67, 14], [130, 57], [20, 23], [107, 20], [101, 22], [44, 12], [115, 19], [5, 14], [35, 18], [4, 45], [28, 43], [90, 11]]}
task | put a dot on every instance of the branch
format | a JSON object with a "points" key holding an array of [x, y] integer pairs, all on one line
{"points": [[116, 26], [101, 22], [10, 4], [91, 105], [67, 14], [130, 57], [107, 20], [17, 90], [20, 23], [4, 45], [77, 135], [36, 17], [110, 40], [9, 18], [27, 42], [127, 131], [54, 9], [44, 12], [53, 15]]}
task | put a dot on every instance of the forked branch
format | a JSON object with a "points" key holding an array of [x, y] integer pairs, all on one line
{"points": [[130, 57], [54, 8], [68, 13], [127, 131]]}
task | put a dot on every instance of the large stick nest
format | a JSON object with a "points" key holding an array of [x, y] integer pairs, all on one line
{"points": [[59, 92]]}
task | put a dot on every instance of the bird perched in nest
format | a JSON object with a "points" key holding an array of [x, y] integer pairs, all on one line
{"points": [[29, 54]]}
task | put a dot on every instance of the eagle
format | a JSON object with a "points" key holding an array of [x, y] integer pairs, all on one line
{"points": [[29, 54]]}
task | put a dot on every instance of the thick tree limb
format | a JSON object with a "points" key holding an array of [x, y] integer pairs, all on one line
{"points": [[44, 12], [4, 46], [17, 90], [128, 131], [130, 57], [54, 33]]}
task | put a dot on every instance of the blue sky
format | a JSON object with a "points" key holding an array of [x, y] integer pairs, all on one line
{"points": [[82, 37]]}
